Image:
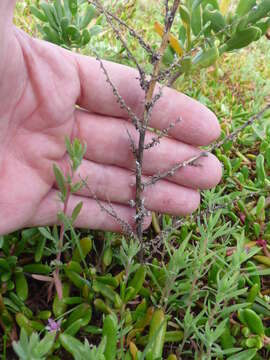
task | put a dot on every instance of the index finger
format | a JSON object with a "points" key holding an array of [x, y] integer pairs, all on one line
{"points": [[198, 125]]}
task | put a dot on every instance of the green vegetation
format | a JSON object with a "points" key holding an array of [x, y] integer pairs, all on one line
{"points": [[203, 290]]}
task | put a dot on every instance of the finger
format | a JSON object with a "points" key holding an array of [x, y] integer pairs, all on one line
{"points": [[117, 185], [199, 126], [108, 143], [90, 217]]}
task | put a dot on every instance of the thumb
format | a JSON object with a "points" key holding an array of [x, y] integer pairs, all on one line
{"points": [[6, 11]]}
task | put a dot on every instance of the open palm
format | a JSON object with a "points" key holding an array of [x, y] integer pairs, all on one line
{"points": [[40, 86]]}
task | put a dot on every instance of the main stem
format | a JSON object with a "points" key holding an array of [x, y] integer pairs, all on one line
{"points": [[140, 210], [57, 281]]}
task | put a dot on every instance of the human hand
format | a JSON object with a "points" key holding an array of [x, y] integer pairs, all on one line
{"points": [[40, 86]]}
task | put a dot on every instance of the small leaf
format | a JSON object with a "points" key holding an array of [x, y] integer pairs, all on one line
{"points": [[76, 211], [95, 30], [38, 14], [45, 345], [73, 32], [49, 13], [59, 9], [60, 179], [46, 233], [68, 143], [51, 35], [196, 3], [219, 330], [76, 187], [40, 248], [21, 286], [244, 355], [72, 345], [88, 17], [73, 6]]}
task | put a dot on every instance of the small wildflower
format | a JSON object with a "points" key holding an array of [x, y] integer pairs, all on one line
{"points": [[53, 325], [247, 250]]}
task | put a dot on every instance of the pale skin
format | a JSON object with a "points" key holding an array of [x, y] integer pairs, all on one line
{"points": [[40, 84]]}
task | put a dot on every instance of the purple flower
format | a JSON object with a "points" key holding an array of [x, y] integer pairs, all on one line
{"points": [[53, 325]]}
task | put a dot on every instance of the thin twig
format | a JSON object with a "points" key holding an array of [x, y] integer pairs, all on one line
{"points": [[132, 32], [156, 140], [169, 173], [234, 134], [133, 117], [158, 241], [122, 40], [132, 143], [110, 211]]}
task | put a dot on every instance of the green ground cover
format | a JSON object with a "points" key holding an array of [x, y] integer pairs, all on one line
{"points": [[205, 287]]}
